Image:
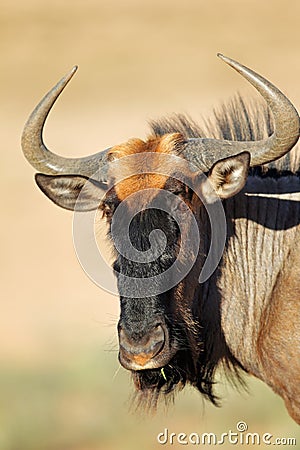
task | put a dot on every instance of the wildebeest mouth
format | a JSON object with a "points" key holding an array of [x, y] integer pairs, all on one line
{"points": [[151, 383]]}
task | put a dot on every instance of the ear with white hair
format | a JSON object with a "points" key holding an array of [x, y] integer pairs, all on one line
{"points": [[226, 178], [73, 192]]}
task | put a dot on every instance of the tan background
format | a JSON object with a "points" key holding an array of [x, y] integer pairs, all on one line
{"points": [[60, 386]]}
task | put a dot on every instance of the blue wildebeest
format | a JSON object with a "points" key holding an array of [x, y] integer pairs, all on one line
{"points": [[246, 315]]}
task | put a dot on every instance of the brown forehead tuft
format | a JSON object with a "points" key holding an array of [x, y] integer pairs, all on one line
{"points": [[167, 144]]}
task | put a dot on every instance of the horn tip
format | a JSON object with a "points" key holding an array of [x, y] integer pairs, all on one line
{"points": [[232, 63], [69, 75], [73, 70], [223, 57]]}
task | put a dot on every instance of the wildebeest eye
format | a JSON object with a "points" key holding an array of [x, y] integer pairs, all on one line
{"points": [[176, 187], [182, 193], [109, 204], [179, 191], [107, 210]]}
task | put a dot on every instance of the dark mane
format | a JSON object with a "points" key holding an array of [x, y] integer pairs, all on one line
{"points": [[237, 121]]}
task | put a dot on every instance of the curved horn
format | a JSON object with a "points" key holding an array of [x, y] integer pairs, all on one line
{"points": [[205, 152], [38, 154]]}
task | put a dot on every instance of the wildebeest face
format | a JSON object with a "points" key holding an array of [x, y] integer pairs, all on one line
{"points": [[158, 331], [148, 334]]}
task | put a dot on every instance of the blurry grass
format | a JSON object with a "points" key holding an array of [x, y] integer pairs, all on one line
{"points": [[59, 406], [80, 405]]}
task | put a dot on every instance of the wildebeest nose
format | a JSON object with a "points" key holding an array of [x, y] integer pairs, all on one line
{"points": [[137, 349]]}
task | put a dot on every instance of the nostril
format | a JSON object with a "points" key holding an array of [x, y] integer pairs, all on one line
{"points": [[156, 347], [141, 347], [158, 330], [157, 336]]}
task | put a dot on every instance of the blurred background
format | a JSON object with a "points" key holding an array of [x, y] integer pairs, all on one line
{"points": [[61, 387]]}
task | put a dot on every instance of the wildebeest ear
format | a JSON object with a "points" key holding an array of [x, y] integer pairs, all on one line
{"points": [[64, 191], [227, 177]]}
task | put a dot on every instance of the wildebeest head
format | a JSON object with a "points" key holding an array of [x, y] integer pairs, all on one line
{"points": [[152, 185]]}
